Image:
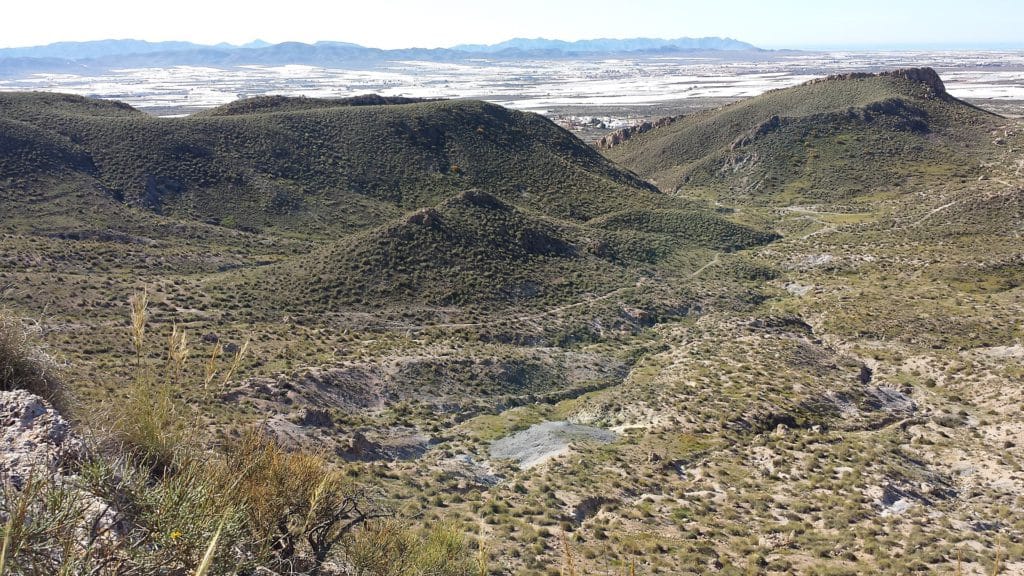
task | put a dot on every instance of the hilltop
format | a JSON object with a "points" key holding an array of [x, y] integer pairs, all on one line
{"points": [[827, 139], [312, 167]]}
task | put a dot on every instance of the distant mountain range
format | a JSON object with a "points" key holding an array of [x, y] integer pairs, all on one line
{"points": [[607, 45], [102, 54]]}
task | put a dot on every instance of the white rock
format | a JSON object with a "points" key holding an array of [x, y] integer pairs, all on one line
{"points": [[34, 438]]}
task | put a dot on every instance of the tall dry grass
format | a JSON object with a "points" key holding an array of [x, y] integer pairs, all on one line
{"points": [[184, 508], [23, 363]]}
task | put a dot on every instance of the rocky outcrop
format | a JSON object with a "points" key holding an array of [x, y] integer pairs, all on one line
{"points": [[589, 507], [428, 217], [388, 444], [482, 199], [34, 438], [358, 446], [767, 127], [39, 455], [927, 76], [622, 135]]}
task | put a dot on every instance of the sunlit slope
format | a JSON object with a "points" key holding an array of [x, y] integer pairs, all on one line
{"points": [[474, 248], [824, 140], [313, 166]]}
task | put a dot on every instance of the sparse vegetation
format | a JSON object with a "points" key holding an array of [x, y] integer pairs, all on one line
{"points": [[826, 141], [817, 375]]}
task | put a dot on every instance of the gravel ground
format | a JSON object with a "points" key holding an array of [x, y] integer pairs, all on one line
{"points": [[546, 440]]}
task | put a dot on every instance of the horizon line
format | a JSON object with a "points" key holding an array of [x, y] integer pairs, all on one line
{"points": [[772, 47]]}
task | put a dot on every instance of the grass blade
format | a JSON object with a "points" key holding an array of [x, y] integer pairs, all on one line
{"points": [[7, 542], [211, 549]]}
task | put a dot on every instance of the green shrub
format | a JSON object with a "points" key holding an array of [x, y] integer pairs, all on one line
{"points": [[388, 548]]}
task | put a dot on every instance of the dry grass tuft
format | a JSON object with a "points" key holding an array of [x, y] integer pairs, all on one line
{"points": [[138, 303], [210, 368], [568, 564], [177, 352], [236, 362], [23, 364]]}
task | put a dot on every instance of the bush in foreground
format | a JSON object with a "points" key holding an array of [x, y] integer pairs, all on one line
{"points": [[150, 499]]}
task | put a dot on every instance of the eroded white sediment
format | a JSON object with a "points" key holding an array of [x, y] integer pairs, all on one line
{"points": [[542, 442]]}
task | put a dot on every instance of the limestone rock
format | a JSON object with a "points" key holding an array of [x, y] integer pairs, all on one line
{"points": [[427, 217], [34, 438], [316, 418]]}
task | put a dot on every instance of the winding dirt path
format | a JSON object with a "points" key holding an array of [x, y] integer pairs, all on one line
{"points": [[931, 213]]}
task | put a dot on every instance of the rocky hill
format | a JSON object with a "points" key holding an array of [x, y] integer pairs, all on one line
{"points": [[828, 139], [388, 198], [475, 248]]}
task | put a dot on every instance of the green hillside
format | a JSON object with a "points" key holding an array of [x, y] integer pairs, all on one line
{"points": [[311, 166], [475, 248], [546, 219], [828, 139]]}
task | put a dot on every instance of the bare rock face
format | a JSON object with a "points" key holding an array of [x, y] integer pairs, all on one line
{"points": [[359, 446], [926, 76], [38, 444], [34, 438], [622, 135], [767, 127], [316, 418]]}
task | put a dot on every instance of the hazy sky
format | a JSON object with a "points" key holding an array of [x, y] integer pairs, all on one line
{"points": [[434, 23]]}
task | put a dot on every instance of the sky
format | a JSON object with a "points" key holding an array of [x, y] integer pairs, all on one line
{"points": [[797, 24]]}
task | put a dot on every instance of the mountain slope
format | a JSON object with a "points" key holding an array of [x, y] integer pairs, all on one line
{"points": [[390, 203], [100, 48], [315, 166], [826, 139]]}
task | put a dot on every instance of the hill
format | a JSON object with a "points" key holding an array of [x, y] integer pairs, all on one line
{"points": [[824, 140], [363, 203], [474, 249], [313, 167]]}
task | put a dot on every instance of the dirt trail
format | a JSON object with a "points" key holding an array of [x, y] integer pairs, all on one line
{"points": [[528, 317], [931, 213], [809, 213], [714, 261]]}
